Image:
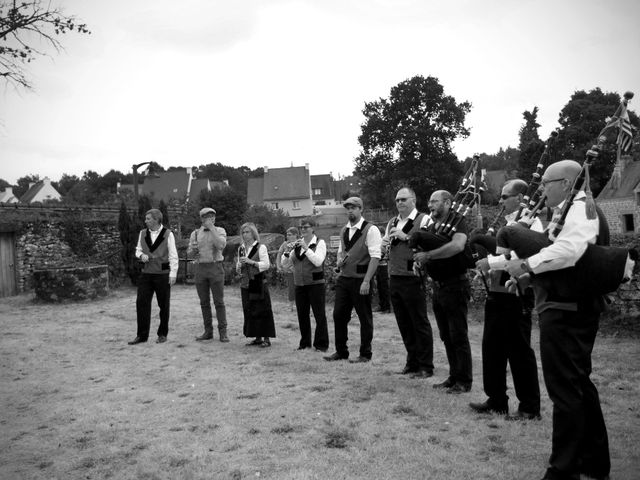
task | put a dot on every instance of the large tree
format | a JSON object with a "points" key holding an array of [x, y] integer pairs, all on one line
{"points": [[581, 120], [406, 140], [531, 147], [25, 25]]}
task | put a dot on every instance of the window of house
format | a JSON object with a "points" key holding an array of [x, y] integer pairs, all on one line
{"points": [[628, 224], [296, 205], [274, 205], [317, 191]]}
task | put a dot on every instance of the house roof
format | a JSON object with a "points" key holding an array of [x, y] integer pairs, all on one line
{"points": [[286, 183], [166, 185], [629, 181], [198, 185], [36, 188], [255, 187], [323, 182], [7, 196]]}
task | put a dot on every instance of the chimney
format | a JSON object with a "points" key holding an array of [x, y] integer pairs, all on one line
{"points": [[31, 184], [306, 166], [618, 171], [266, 169], [46, 180]]}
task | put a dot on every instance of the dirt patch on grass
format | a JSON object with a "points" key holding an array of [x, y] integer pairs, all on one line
{"points": [[78, 402]]}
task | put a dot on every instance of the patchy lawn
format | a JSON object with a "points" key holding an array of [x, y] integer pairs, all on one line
{"points": [[79, 403]]}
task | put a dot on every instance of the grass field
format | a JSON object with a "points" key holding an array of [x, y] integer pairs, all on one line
{"points": [[78, 403]]}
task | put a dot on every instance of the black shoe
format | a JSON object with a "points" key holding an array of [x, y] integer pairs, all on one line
{"points": [[223, 338], [334, 357], [520, 416], [423, 373], [488, 407], [161, 339], [265, 343], [408, 370], [136, 341], [255, 343], [459, 388], [204, 336], [302, 348], [448, 383], [360, 359]]}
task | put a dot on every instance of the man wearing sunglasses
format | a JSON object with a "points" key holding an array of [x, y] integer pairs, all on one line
{"points": [[408, 295], [506, 336], [568, 328]]}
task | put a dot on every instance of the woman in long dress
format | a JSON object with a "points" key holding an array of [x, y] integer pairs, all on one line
{"points": [[253, 262]]}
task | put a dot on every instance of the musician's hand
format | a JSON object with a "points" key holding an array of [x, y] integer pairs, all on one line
{"points": [[172, 280], [364, 287], [421, 257], [399, 234], [512, 285], [514, 267], [483, 265], [144, 258]]}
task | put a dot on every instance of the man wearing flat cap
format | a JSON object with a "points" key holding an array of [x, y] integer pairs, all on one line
{"points": [[358, 256], [206, 244]]}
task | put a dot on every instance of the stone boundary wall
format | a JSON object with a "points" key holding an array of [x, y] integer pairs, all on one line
{"points": [[75, 283], [615, 209]]}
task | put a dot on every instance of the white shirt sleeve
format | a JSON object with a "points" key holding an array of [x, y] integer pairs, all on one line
{"points": [[566, 250], [374, 242], [139, 246], [263, 263], [173, 256], [319, 255]]}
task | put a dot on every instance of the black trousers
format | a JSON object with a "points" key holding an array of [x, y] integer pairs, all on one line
{"points": [[148, 284], [409, 301], [382, 282], [450, 309], [347, 298], [507, 338], [311, 297], [579, 442]]}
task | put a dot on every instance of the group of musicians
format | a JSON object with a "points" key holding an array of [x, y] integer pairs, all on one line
{"points": [[568, 324]]}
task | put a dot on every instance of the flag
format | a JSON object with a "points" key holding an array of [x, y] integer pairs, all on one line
{"points": [[625, 134]]}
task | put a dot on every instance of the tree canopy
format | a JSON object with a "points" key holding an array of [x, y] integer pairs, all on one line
{"points": [[406, 140], [26, 23], [581, 120]]}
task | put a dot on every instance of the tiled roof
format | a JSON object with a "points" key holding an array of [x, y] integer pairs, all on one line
{"points": [[166, 185], [323, 182], [629, 181], [286, 183]]}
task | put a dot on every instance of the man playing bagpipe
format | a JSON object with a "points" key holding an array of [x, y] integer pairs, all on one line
{"points": [[506, 336], [447, 266], [568, 324]]}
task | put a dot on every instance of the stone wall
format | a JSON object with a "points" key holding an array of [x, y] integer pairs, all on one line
{"points": [[615, 209]]}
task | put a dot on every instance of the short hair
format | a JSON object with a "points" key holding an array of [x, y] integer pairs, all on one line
{"points": [[411, 191], [292, 230], [517, 186], [155, 214], [308, 221], [252, 227]]}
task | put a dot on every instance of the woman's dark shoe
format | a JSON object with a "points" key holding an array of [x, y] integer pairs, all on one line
{"points": [[255, 343], [266, 343]]}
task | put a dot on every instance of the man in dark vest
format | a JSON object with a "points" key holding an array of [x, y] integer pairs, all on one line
{"points": [[451, 293], [506, 335], [358, 257], [307, 258], [568, 328], [408, 295], [156, 249]]}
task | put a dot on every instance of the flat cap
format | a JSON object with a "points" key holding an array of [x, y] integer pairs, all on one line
{"points": [[355, 201], [207, 210]]}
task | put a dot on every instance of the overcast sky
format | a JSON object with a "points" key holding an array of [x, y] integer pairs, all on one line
{"points": [[277, 82]]}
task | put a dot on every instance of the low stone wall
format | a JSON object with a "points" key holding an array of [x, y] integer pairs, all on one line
{"points": [[76, 283]]}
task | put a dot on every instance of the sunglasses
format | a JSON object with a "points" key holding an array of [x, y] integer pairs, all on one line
{"points": [[504, 197], [305, 227], [546, 182], [398, 200]]}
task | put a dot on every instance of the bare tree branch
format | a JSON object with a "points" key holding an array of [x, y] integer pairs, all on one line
{"points": [[23, 22]]}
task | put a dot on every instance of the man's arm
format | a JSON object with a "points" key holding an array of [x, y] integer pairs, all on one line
{"points": [[173, 258], [449, 249]]}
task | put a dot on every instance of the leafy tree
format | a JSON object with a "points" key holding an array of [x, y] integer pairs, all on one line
{"points": [[581, 120], [228, 204], [66, 183], [406, 140], [531, 147], [165, 213], [26, 23], [267, 219], [22, 185]]}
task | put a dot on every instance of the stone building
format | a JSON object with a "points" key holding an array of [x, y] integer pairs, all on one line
{"points": [[620, 198]]}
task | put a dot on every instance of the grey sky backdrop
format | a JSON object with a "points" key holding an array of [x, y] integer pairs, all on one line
{"points": [[277, 82]]}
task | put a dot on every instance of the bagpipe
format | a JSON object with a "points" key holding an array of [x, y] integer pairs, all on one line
{"points": [[601, 269], [461, 204]]}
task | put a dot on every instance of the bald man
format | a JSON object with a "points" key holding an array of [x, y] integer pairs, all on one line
{"points": [[568, 328], [451, 293], [506, 336]]}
